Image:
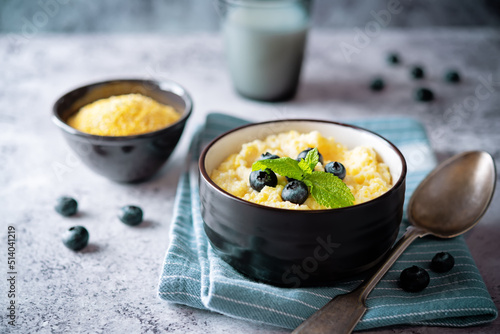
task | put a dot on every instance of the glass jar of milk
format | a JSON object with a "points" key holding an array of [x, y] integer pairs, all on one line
{"points": [[265, 42]]}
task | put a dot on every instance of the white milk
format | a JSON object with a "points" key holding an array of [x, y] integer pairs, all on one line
{"points": [[265, 47]]}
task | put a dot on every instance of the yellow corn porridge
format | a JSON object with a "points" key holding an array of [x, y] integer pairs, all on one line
{"points": [[123, 115], [366, 176]]}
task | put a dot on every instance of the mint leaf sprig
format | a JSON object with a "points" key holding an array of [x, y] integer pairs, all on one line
{"points": [[327, 189]]}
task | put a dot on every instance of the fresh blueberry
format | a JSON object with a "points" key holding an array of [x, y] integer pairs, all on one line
{"points": [[424, 94], [417, 72], [268, 155], [414, 279], [303, 154], [295, 191], [76, 238], [377, 84], [130, 215], [442, 262], [261, 178], [336, 168], [66, 206], [393, 58], [452, 76]]}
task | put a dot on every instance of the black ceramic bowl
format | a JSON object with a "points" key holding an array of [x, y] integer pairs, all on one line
{"points": [[125, 158], [300, 248]]}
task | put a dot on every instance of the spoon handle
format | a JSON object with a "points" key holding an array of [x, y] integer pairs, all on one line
{"points": [[342, 313], [410, 235]]}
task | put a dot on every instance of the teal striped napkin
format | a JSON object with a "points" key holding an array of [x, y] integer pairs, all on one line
{"points": [[194, 275]]}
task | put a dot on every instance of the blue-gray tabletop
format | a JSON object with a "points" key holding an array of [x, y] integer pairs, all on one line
{"points": [[111, 286]]}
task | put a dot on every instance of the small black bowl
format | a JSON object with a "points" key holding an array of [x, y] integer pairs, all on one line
{"points": [[294, 248], [125, 158]]}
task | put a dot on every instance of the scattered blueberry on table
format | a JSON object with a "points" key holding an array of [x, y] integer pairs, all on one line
{"points": [[66, 206], [76, 238], [417, 72], [261, 178], [424, 94], [130, 215], [393, 58], [303, 154], [452, 76], [295, 191], [377, 84], [414, 279], [442, 262], [336, 168]]}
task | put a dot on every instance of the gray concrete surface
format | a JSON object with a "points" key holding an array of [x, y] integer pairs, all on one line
{"points": [[173, 16], [110, 287]]}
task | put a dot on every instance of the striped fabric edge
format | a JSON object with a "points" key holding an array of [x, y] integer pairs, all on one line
{"points": [[174, 290]]}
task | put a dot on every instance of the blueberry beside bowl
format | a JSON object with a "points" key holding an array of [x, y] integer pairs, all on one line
{"points": [[125, 158], [294, 248]]}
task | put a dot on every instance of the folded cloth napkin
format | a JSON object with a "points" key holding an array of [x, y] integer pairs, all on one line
{"points": [[194, 275]]}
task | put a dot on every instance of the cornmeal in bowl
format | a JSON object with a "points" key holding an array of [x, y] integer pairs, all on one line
{"points": [[123, 115], [367, 176]]}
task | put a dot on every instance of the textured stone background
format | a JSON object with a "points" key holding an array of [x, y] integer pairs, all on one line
{"points": [[174, 16], [110, 287]]}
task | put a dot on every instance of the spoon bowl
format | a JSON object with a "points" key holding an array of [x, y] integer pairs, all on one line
{"points": [[449, 202], [453, 197]]}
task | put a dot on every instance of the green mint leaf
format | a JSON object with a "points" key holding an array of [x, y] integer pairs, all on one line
{"points": [[312, 158], [304, 166], [328, 190], [283, 166]]}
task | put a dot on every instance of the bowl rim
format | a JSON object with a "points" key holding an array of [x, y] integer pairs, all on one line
{"points": [[164, 85], [206, 177]]}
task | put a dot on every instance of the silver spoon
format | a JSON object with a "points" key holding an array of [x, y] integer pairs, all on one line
{"points": [[449, 202]]}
